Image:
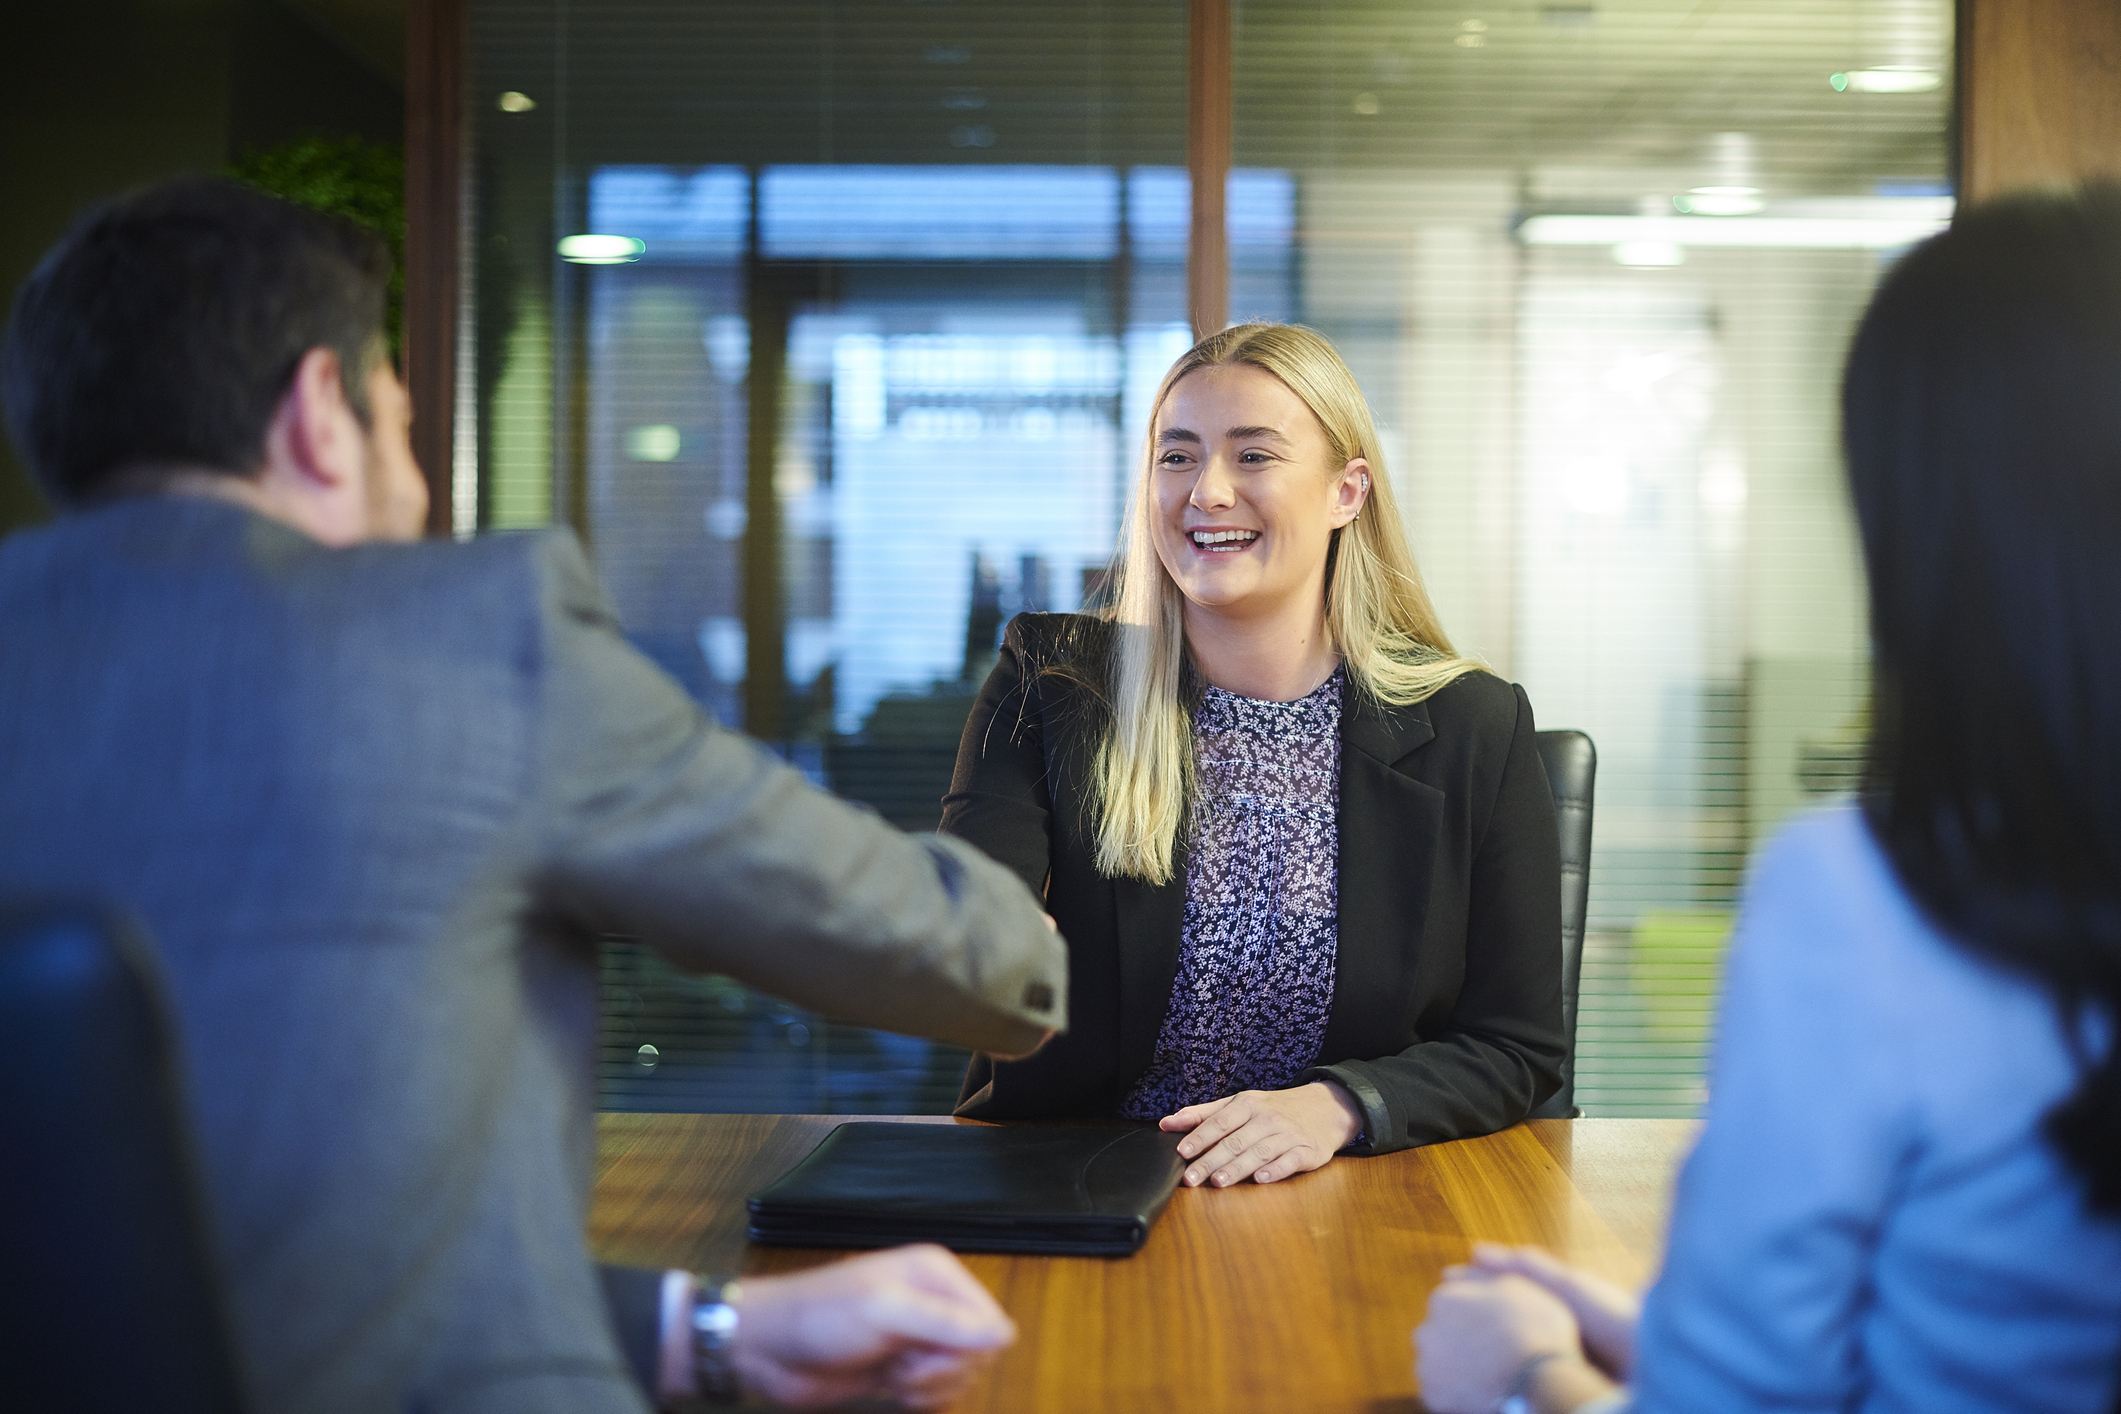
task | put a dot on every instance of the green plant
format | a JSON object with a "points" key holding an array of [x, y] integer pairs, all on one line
{"points": [[361, 181], [1677, 964]]}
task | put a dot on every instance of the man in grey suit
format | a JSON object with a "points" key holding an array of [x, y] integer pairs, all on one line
{"points": [[375, 799]]}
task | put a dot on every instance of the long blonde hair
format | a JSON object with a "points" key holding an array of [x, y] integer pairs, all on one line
{"points": [[1378, 613]]}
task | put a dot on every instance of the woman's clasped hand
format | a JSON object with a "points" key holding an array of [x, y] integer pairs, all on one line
{"points": [[1264, 1134], [1513, 1319]]}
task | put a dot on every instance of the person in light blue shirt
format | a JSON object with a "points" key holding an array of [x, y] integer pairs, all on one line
{"points": [[1907, 1194]]}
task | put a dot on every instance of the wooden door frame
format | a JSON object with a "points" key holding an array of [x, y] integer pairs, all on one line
{"points": [[2038, 100], [437, 38], [1209, 43]]}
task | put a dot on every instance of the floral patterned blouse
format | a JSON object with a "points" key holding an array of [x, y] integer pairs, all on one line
{"points": [[1256, 952]]}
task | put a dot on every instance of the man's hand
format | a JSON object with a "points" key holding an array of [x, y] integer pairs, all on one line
{"points": [[910, 1324], [1264, 1135], [1480, 1335], [1606, 1315]]}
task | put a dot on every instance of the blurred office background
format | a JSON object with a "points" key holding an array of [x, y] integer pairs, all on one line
{"points": [[942, 248], [832, 327]]}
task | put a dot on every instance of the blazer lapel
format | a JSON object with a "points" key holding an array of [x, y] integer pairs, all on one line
{"points": [[1148, 919], [1389, 825]]}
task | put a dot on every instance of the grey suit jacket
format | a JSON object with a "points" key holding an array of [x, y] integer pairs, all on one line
{"points": [[375, 804]]}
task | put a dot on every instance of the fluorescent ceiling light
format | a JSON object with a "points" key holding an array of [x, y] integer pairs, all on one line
{"points": [[1720, 201], [1649, 255], [1894, 79], [1826, 224], [601, 250]]}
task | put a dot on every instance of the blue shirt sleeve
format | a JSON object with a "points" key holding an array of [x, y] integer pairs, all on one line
{"points": [[1809, 1127]]}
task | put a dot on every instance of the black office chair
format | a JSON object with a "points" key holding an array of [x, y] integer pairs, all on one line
{"points": [[108, 1295], [1572, 772]]}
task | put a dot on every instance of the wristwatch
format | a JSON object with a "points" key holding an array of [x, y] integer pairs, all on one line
{"points": [[714, 1321]]}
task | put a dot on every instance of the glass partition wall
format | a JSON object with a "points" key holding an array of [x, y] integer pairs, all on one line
{"points": [[1597, 265], [832, 327]]}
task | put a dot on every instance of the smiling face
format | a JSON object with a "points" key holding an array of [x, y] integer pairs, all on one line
{"points": [[1247, 494]]}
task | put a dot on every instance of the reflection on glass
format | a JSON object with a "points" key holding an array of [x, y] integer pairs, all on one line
{"points": [[1596, 265]]}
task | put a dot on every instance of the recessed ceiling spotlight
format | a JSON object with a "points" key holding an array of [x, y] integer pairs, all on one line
{"points": [[1475, 26], [1366, 104], [1471, 41], [964, 98], [513, 102], [977, 135], [601, 250], [1719, 201], [1892, 79]]}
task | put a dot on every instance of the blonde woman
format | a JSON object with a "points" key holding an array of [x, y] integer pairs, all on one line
{"points": [[1304, 855]]}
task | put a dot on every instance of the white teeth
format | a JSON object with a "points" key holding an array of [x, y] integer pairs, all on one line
{"points": [[1223, 537]]}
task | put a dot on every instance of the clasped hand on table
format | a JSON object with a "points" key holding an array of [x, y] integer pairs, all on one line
{"points": [[1264, 1135], [1513, 1321]]}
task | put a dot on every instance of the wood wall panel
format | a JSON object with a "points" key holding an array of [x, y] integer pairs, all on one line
{"points": [[2039, 93], [1208, 118]]}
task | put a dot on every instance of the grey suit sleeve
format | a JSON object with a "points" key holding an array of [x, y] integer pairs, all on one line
{"points": [[667, 827], [634, 1297]]}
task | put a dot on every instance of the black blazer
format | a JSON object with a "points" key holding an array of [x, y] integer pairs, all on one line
{"points": [[1446, 1018]]}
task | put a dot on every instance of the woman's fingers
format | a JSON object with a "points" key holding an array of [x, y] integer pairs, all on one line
{"points": [[1298, 1158], [1607, 1314], [1263, 1135], [1245, 1156], [1191, 1117], [1265, 1149], [1211, 1131]]}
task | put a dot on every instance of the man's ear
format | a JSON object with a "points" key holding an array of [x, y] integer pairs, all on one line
{"points": [[315, 438]]}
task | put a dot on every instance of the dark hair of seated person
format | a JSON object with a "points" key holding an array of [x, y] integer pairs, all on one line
{"points": [[162, 331], [1982, 425]]}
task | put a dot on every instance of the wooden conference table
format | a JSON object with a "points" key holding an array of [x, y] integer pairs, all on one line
{"points": [[1291, 1297]]}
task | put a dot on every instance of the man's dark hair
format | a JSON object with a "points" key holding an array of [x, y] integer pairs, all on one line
{"points": [[1982, 423], [166, 326]]}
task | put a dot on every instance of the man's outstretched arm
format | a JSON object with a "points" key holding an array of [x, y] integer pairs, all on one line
{"points": [[667, 827]]}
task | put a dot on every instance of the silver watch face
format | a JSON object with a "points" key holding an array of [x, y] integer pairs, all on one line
{"points": [[717, 1320]]}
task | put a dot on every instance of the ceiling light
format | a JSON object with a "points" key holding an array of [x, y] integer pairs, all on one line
{"points": [[1881, 224], [513, 102], [601, 250], [1719, 201], [1475, 26], [1366, 104], [1892, 79], [1471, 41], [1649, 255]]}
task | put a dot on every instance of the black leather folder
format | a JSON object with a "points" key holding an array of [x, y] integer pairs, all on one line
{"points": [[976, 1188]]}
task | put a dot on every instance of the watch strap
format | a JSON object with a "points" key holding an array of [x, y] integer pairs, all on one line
{"points": [[714, 1322]]}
